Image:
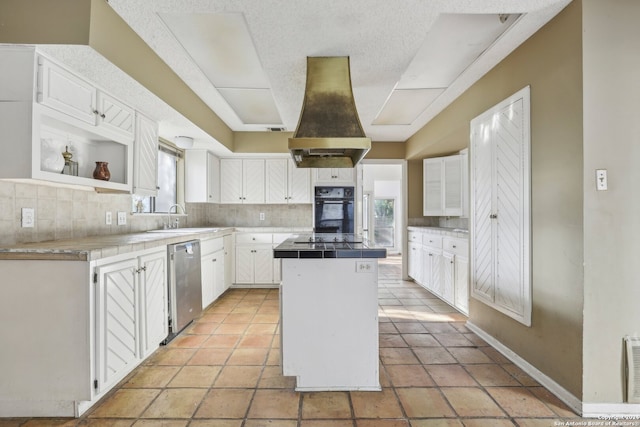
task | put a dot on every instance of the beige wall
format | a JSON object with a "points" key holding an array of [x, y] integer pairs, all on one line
{"points": [[611, 218], [551, 62]]}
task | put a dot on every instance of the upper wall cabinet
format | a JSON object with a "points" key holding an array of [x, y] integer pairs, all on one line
{"points": [[45, 109], [145, 158], [202, 177], [443, 186], [242, 181], [335, 175], [285, 183], [72, 95], [500, 211]]}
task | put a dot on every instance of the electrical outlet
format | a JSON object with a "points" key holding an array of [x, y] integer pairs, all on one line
{"points": [[122, 218], [107, 218], [28, 217], [601, 179], [261, 216]]}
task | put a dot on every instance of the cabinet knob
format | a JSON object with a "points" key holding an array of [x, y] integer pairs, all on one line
{"points": [[454, 246], [103, 115], [214, 260], [493, 216]]}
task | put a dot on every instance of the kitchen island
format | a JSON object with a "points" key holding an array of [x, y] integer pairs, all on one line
{"points": [[329, 311]]}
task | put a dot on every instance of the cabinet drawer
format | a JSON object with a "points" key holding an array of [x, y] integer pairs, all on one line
{"points": [[415, 236], [251, 238], [456, 246], [211, 245], [432, 240]]}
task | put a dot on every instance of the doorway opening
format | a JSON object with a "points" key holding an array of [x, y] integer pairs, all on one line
{"points": [[384, 204]]}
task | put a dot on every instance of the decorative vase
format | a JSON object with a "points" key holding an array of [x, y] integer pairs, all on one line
{"points": [[102, 171]]}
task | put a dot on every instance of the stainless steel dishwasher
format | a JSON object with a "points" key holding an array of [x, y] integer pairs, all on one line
{"points": [[185, 286]]}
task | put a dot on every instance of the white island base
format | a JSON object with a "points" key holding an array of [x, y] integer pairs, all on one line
{"points": [[329, 315]]}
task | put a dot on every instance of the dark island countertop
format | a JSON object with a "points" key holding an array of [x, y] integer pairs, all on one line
{"points": [[327, 245]]}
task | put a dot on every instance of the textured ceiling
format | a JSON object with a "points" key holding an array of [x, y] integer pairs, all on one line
{"points": [[381, 37]]}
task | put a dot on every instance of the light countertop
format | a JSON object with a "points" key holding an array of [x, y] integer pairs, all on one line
{"points": [[96, 247]]}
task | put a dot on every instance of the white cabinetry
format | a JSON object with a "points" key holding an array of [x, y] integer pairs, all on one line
{"points": [[254, 261], [202, 177], [433, 264], [228, 260], [331, 175], [72, 95], [456, 275], [213, 270], [89, 324], [145, 157], [117, 309], [131, 314], [242, 180], [153, 300], [443, 186], [285, 183], [415, 258], [500, 217], [440, 264], [57, 109]]}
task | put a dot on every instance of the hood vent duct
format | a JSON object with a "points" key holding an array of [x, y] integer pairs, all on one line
{"points": [[329, 133]]}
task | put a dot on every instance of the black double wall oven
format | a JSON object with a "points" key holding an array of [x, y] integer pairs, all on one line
{"points": [[334, 210]]}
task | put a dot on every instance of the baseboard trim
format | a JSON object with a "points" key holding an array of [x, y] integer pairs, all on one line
{"points": [[560, 392], [612, 411]]}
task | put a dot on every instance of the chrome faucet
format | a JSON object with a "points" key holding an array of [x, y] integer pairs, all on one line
{"points": [[177, 222]]}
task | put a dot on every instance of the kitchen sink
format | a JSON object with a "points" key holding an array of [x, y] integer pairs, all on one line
{"points": [[185, 230]]}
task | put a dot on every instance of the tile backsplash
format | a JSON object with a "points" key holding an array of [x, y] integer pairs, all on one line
{"points": [[64, 212], [440, 221]]}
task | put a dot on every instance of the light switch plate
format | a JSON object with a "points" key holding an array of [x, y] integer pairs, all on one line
{"points": [[28, 217], [107, 218], [601, 179], [122, 218]]}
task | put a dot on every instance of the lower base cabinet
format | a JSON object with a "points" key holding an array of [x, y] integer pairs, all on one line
{"points": [[89, 324], [441, 265], [213, 266], [254, 261], [131, 314]]}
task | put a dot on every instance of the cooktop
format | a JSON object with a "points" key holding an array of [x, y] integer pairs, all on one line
{"points": [[328, 238]]}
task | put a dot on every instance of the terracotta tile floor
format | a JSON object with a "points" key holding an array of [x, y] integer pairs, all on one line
{"points": [[223, 371]]}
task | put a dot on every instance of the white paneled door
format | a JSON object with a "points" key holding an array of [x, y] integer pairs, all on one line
{"points": [[500, 217]]}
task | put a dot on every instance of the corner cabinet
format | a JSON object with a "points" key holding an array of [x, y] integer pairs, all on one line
{"points": [[45, 108], [500, 213], [202, 177], [89, 324], [131, 313]]}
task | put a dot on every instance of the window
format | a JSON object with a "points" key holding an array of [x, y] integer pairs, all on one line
{"points": [[384, 216], [168, 159]]}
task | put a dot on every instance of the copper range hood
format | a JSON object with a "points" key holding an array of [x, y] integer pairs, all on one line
{"points": [[329, 133]]}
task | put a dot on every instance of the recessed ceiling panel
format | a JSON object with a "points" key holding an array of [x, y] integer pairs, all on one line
{"points": [[405, 105], [221, 46], [453, 43], [253, 106]]}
